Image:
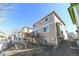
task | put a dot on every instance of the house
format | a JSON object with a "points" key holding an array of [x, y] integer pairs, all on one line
{"points": [[74, 14], [25, 34], [25, 31], [3, 36], [50, 30], [21, 34], [3, 41]]}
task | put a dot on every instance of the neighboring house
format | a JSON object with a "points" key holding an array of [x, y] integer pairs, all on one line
{"points": [[3, 36], [21, 36], [25, 34], [74, 14], [11, 37], [25, 31], [3, 41], [72, 36], [20, 33], [50, 30]]}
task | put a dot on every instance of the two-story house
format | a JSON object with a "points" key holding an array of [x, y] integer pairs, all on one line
{"points": [[51, 29]]}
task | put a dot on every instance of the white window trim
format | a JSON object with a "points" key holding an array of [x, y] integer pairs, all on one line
{"points": [[48, 28]]}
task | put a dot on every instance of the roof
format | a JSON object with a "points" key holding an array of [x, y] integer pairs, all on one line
{"points": [[26, 27], [58, 17], [54, 12], [23, 28]]}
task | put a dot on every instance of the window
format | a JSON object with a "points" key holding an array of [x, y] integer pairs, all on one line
{"points": [[36, 31], [46, 41], [33, 25], [33, 32], [46, 19], [46, 29]]}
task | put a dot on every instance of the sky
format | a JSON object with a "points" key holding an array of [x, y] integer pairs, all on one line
{"points": [[26, 14]]}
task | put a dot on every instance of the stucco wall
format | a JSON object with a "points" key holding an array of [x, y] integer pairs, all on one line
{"points": [[62, 27], [50, 36]]}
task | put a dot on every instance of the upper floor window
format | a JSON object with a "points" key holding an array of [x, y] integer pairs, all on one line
{"points": [[46, 29], [33, 32], [33, 25], [36, 31], [46, 19]]}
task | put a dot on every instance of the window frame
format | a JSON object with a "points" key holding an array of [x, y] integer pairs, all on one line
{"points": [[46, 29], [46, 19]]}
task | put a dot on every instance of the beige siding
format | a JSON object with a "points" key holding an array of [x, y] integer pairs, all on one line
{"points": [[50, 36]]}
